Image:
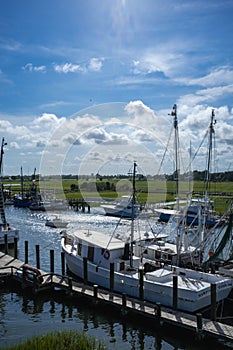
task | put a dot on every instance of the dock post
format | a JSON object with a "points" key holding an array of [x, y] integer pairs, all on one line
{"points": [[62, 263], [26, 252], [123, 310], [85, 276], [95, 289], [111, 276], [34, 290], [141, 288], [70, 285], [38, 256], [6, 243], [175, 291], [52, 261], [199, 326], [158, 313], [15, 248], [213, 302]]}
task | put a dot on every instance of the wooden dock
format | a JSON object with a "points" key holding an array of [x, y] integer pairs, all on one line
{"points": [[201, 328]]}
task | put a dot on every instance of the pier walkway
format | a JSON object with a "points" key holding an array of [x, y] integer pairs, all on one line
{"points": [[161, 316]]}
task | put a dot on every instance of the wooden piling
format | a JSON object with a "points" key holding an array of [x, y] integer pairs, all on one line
{"points": [[111, 276], [38, 256], [213, 301], [199, 322], [6, 243], [158, 313], [141, 287], [85, 274], [15, 248], [63, 263], [199, 330], [175, 292], [123, 300], [26, 252], [95, 290], [52, 261], [70, 285]]}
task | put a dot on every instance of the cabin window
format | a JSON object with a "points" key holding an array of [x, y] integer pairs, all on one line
{"points": [[90, 253], [122, 266], [79, 248]]}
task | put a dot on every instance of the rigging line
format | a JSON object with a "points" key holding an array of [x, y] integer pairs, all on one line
{"points": [[195, 154], [161, 164], [109, 240]]}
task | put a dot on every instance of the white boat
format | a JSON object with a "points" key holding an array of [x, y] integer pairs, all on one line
{"points": [[194, 287], [105, 254], [5, 228], [123, 208], [56, 222]]}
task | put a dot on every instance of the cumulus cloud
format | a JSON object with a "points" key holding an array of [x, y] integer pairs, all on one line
{"points": [[67, 68], [95, 64], [31, 68]]}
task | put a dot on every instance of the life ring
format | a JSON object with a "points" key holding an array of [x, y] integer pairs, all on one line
{"points": [[106, 254], [30, 271]]}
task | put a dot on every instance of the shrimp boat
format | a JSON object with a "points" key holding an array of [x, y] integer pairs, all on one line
{"points": [[107, 256], [5, 228]]}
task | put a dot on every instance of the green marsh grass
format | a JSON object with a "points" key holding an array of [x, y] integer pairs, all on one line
{"points": [[64, 340]]}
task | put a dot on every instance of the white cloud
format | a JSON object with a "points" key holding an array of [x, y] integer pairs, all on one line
{"points": [[14, 145], [206, 95], [31, 68], [217, 77], [67, 68], [95, 64]]}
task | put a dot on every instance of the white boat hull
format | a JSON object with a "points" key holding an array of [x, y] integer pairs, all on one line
{"points": [[193, 293]]}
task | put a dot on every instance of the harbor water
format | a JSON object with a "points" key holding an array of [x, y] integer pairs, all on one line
{"points": [[23, 316]]}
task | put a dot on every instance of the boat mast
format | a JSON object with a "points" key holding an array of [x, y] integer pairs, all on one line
{"points": [[210, 147], [3, 217], [175, 124], [133, 214], [209, 158], [21, 178], [177, 172]]}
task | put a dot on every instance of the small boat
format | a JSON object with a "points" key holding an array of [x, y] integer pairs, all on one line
{"points": [[56, 223], [112, 263], [198, 212], [5, 228], [37, 206], [48, 205], [23, 199], [122, 209]]}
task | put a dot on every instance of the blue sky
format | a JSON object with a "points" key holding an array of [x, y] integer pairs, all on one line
{"points": [[86, 86]]}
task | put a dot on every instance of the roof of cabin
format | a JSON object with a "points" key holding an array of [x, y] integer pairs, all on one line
{"points": [[99, 239]]}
